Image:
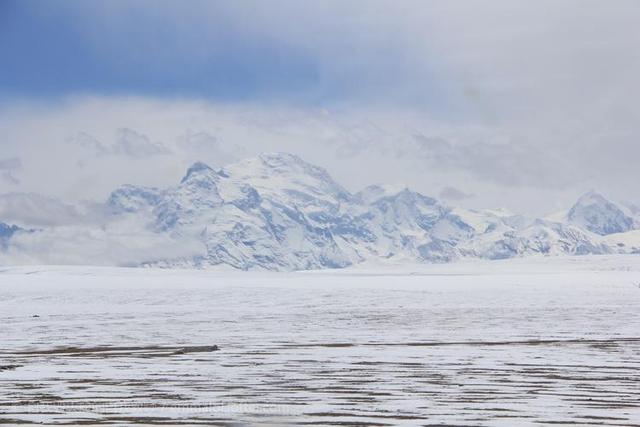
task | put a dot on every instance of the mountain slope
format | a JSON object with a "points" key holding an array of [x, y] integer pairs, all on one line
{"points": [[595, 213], [273, 212], [278, 212]]}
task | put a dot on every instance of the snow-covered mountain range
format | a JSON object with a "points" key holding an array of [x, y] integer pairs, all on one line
{"points": [[278, 212]]}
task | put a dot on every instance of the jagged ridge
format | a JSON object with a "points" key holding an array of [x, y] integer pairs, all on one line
{"points": [[279, 212]]}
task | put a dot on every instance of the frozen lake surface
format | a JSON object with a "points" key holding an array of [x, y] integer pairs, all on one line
{"points": [[536, 342]]}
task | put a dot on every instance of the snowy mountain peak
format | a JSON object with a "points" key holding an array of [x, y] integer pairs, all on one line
{"points": [[285, 163], [592, 197], [397, 194], [595, 213], [410, 197], [278, 160], [286, 178], [278, 212], [373, 192], [196, 168]]}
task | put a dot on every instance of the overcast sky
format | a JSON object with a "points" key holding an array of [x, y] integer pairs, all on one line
{"points": [[519, 104]]}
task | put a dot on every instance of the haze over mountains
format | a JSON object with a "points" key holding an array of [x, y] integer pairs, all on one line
{"points": [[278, 212]]}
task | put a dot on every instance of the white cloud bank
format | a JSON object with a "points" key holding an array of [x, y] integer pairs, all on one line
{"points": [[77, 151], [524, 104], [107, 245]]}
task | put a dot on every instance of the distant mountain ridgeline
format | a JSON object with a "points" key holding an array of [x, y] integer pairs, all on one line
{"points": [[278, 212]]}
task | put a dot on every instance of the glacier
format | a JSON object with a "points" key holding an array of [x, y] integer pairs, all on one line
{"points": [[279, 212]]}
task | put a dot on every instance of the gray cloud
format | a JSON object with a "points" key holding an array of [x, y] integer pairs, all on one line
{"points": [[128, 143], [453, 194], [137, 145], [60, 245], [91, 144], [36, 210], [511, 164], [525, 104], [8, 169], [9, 178], [12, 164], [202, 146], [519, 167]]}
